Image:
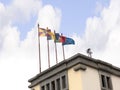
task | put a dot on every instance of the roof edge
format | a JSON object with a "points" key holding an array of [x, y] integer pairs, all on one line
{"points": [[99, 64]]}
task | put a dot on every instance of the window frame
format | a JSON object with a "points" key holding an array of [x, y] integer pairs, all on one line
{"points": [[105, 81], [58, 83], [53, 86], [63, 80], [48, 86], [43, 87]]}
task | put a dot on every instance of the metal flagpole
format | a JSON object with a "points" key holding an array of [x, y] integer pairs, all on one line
{"points": [[48, 50], [63, 48], [39, 51], [55, 48], [63, 52]]}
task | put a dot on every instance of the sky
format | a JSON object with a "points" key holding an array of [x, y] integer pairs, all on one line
{"points": [[92, 24]]}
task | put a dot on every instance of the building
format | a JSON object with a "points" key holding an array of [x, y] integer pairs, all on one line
{"points": [[79, 72]]}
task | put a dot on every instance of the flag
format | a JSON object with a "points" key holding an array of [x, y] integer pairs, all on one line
{"points": [[62, 39], [50, 35], [68, 41], [46, 32], [42, 32], [59, 38]]}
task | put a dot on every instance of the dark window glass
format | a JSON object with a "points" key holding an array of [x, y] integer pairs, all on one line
{"points": [[103, 81], [53, 85], [109, 83], [43, 88], [58, 84], [48, 86], [106, 82], [63, 82]]}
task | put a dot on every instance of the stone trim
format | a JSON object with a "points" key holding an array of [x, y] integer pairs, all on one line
{"points": [[80, 67]]}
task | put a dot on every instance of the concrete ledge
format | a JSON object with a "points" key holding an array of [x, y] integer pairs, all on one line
{"points": [[80, 67]]}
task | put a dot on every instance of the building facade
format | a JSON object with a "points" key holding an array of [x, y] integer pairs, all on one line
{"points": [[79, 72]]}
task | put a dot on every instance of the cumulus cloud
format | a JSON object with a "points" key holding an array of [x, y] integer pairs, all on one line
{"points": [[19, 11], [19, 58], [50, 17], [102, 34]]}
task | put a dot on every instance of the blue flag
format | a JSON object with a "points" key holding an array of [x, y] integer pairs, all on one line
{"points": [[68, 41], [57, 37]]}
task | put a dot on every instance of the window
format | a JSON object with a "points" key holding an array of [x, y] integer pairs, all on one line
{"points": [[106, 83], [43, 88], [103, 81], [109, 84], [58, 84], [48, 86], [53, 85], [63, 82]]}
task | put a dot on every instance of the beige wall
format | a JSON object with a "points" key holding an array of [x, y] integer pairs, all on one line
{"points": [[90, 79], [115, 82], [74, 80], [37, 87], [86, 80], [83, 80]]}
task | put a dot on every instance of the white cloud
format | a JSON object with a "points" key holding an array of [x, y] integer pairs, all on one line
{"points": [[19, 11], [16, 59], [19, 59], [3, 21], [102, 34], [50, 17], [99, 8], [24, 9]]}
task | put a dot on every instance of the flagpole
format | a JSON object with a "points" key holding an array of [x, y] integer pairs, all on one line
{"points": [[48, 52], [63, 52], [39, 51], [55, 48], [63, 49]]}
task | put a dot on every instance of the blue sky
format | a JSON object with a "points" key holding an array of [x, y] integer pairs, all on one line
{"points": [[5, 1], [75, 13]]}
